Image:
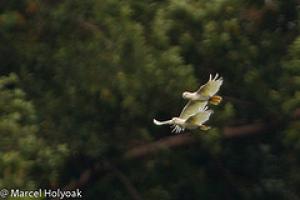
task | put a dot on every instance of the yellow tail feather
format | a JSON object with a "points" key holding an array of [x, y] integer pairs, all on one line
{"points": [[215, 100]]}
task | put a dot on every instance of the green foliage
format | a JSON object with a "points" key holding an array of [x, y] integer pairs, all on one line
{"points": [[21, 151], [81, 82]]}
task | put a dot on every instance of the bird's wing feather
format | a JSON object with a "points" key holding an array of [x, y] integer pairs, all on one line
{"points": [[177, 129], [211, 87], [162, 122], [200, 117], [191, 108]]}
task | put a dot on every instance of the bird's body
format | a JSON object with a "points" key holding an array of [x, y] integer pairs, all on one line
{"points": [[207, 91], [177, 124], [188, 121], [195, 96], [195, 113]]}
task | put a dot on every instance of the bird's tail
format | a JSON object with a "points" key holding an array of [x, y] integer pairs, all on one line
{"points": [[215, 100], [204, 127], [162, 122]]}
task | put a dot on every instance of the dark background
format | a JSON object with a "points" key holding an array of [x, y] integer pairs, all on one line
{"points": [[81, 82]]}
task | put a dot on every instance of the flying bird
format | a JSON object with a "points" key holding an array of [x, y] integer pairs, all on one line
{"points": [[188, 119], [195, 113], [207, 91]]}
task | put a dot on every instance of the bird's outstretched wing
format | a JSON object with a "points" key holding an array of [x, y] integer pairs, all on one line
{"points": [[162, 122], [211, 87], [191, 108], [200, 117]]}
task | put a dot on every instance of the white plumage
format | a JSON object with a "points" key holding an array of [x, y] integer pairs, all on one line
{"points": [[207, 91], [194, 121], [195, 113]]}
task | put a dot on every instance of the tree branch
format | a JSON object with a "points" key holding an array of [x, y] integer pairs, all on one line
{"points": [[132, 191], [171, 141], [174, 141], [85, 176], [183, 139]]}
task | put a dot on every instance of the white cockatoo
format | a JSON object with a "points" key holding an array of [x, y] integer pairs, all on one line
{"points": [[190, 118], [196, 112], [207, 91]]}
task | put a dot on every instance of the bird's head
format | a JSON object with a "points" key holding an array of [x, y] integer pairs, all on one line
{"points": [[186, 95]]}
